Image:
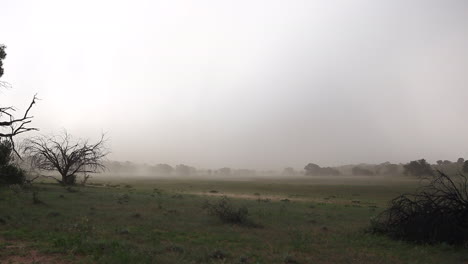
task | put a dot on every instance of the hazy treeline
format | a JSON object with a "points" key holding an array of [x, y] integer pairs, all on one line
{"points": [[417, 168], [129, 168], [413, 168]]}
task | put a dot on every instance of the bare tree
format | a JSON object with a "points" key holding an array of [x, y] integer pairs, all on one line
{"points": [[67, 156]]}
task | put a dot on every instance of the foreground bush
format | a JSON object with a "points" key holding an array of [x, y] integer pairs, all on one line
{"points": [[9, 172], [228, 213], [436, 213]]}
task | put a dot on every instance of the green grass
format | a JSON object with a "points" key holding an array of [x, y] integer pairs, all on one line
{"points": [[318, 221]]}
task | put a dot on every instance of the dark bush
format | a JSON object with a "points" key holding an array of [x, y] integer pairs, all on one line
{"points": [[218, 254], [227, 212], [438, 212], [9, 172]]}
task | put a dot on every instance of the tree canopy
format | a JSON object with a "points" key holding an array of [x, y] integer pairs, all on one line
{"points": [[418, 168]]}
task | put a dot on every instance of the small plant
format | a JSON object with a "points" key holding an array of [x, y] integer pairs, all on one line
{"points": [[16, 188], [266, 200], [53, 214], [158, 197], [227, 212], [288, 259], [85, 179], [36, 199], [82, 227], [218, 254], [175, 249], [70, 189], [243, 259], [136, 215], [124, 231], [300, 240], [123, 199]]}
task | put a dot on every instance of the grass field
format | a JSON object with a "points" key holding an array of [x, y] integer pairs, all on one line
{"points": [[303, 220]]}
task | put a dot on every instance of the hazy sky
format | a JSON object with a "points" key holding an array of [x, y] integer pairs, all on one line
{"points": [[246, 84]]}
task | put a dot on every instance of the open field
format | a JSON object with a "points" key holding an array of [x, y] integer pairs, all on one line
{"points": [[303, 220]]}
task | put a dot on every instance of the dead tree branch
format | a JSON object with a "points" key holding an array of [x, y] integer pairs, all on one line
{"points": [[438, 212]]}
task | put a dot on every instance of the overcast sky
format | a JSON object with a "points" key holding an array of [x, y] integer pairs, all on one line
{"points": [[245, 84]]}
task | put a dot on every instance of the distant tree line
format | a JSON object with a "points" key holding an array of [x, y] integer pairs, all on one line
{"points": [[415, 168], [129, 168], [312, 169]]}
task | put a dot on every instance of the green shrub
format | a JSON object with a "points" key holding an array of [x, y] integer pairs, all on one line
{"points": [[9, 172], [228, 213]]}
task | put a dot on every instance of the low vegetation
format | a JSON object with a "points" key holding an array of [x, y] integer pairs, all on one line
{"points": [[163, 221], [227, 212]]}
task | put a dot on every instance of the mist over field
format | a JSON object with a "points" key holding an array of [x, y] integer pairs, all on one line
{"points": [[247, 84]]}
